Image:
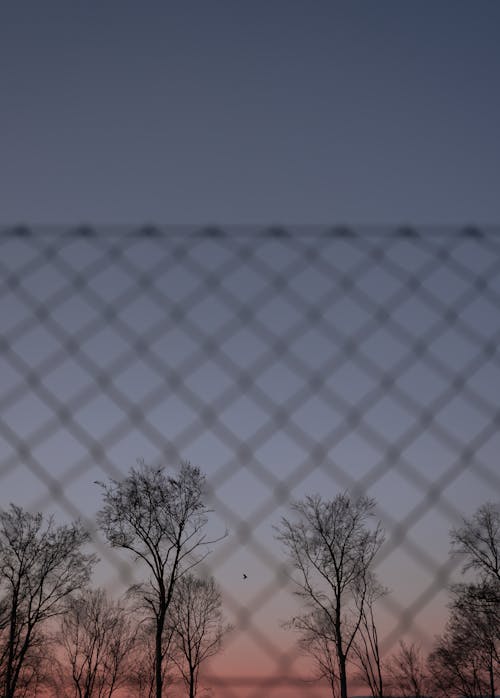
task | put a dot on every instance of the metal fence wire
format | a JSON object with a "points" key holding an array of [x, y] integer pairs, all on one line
{"points": [[283, 361]]}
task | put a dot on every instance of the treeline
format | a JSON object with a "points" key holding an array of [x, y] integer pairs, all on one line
{"points": [[332, 545], [59, 636]]}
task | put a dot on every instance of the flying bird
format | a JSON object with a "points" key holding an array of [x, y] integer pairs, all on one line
{"points": [[244, 576]]}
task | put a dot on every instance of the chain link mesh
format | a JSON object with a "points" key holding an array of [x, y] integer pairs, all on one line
{"points": [[283, 362]]}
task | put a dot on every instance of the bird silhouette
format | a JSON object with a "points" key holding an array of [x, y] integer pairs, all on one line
{"points": [[244, 576]]}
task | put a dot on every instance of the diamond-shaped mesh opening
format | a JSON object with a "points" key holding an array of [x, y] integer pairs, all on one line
{"points": [[283, 362]]}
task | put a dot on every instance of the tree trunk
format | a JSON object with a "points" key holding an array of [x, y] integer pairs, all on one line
{"points": [[340, 650], [158, 658], [9, 688], [343, 676], [380, 680], [491, 676], [191, 683]]}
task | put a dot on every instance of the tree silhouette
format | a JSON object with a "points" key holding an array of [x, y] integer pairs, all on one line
{"points": [[161, 520], [95, 638], [366, 647], [196, 620], [317, 640], [140, 669], [478, 541], [466, 658], [408, 673], [332, 550], [41, 565]]}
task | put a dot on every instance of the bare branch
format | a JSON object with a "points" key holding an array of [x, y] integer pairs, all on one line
{"points": [[41, 566], [160, 519], [332, 549]]}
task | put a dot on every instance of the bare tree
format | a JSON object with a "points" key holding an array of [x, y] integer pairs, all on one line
{"points": [[35, 676], [366, 648], [140, 669], [455, 671], [332, 549], [95, 637], [140, 672], [317, 641], [160, 519], [465, 660], [41, 565], [478, 540], [195, 616], [408, 673]]}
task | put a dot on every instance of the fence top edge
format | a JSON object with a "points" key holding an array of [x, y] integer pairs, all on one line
{"points": [[224, 231]]}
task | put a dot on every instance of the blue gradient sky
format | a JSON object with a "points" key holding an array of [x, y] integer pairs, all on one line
{"points": [[119, 346], [278, 111]]}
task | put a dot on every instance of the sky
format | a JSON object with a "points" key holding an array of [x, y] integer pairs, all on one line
{"points": [[269, 112], [276, 113], [282, 365]]}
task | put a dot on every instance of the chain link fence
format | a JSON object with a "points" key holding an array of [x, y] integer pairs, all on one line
{"points": [[283, 361]]}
